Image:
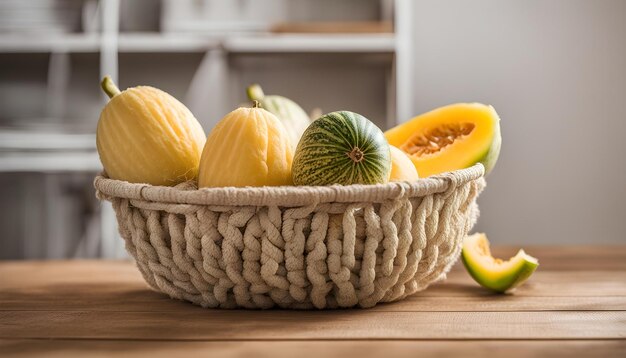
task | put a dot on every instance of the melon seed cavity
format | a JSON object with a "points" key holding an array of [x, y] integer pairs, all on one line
{"points": [[436, 139]]}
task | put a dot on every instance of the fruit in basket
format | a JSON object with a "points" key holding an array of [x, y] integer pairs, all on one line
{"points": [[493, 273], [289, 112], [248, 147], [450, 138], [144, 135], [402, 168], [341, 148]]}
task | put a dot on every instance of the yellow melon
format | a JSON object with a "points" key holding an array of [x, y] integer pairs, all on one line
{"points": [[402, 168], [248, 147], [145, 135]]}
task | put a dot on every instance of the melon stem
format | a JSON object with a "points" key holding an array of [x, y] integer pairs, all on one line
{"points": [[255, 92], [255, 104], [356, 155], [109, 87]]}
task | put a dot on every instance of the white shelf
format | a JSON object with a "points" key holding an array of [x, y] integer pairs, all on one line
{"points": [[174, 43], [367, 43], [13, 139], [38, 151], [29, 43], [92, 43], [165, 43], [44, 162]]}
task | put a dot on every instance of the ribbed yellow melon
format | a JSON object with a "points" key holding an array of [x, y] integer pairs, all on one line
{"points": [[145, 135], [402, 168], [248, 147]]}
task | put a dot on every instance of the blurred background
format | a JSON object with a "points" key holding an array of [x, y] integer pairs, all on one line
{"points": [[555, 70]]}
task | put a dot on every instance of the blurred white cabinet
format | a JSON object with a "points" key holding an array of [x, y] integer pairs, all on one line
{"points": [[205, 53]]}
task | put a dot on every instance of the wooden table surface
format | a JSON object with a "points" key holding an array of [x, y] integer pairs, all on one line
{"points": [[574, 305]]}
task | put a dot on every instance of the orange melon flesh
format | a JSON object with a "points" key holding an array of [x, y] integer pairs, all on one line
{"points": [[453, 137]]}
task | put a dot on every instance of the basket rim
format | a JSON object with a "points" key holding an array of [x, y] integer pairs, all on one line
{"points": [[109, 189]]}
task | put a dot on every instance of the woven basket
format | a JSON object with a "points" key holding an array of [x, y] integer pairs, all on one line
{"points": [[296, 247]]}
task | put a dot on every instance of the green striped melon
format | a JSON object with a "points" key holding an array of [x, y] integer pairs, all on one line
{"points": [[341, 148], [289, 112]]}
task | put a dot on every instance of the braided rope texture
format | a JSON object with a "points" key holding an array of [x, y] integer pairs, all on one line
{"points": [[296, 247]]}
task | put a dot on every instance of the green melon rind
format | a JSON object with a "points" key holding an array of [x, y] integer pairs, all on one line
{"points": [[321, 156], [490, 158], [283, 107], [504, 283], [525, 272]]}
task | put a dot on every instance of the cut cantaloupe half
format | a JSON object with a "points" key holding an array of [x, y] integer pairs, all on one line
{"points": [[493, 273], [453, 137]]}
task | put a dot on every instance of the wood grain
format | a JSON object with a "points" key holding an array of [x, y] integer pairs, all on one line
{"points": [[598, 292], [574, 304], [303, 349], [328, 325], [144, 300], [118, 286]]}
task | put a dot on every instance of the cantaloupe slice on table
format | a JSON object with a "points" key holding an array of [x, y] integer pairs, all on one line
{"points": [[493, 273]]}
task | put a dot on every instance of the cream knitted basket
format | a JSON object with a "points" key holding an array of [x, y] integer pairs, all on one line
{"points": [[296, 247]]}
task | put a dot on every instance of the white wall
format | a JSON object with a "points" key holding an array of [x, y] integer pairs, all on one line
{"points": [[555, 70]]}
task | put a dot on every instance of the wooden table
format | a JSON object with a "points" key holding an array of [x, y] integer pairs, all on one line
{"points": [[574, 305]]}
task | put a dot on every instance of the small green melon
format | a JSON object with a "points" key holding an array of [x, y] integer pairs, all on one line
{"points": [[492, 273], [341, 148], [289, 112]]}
